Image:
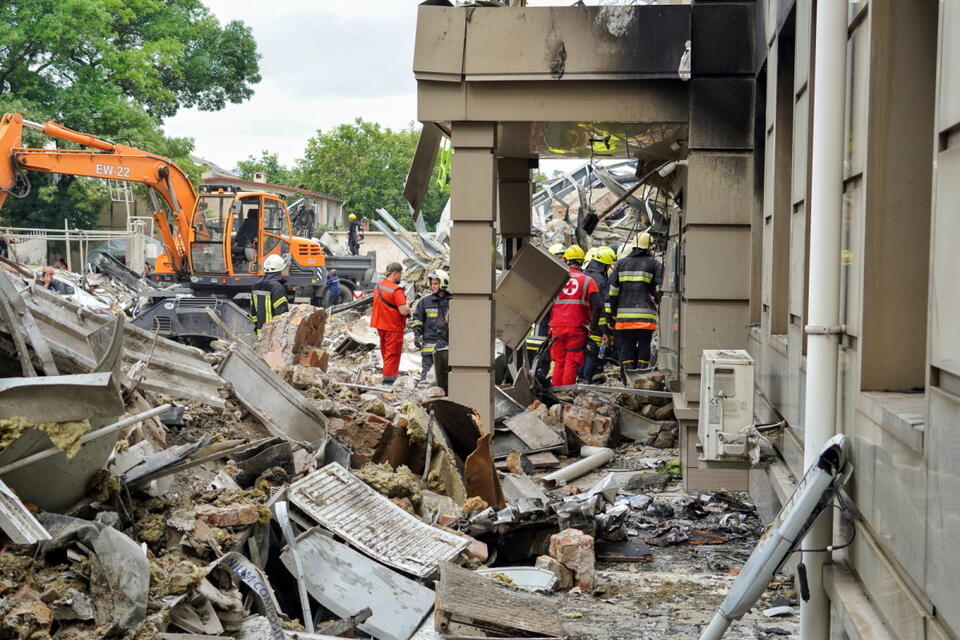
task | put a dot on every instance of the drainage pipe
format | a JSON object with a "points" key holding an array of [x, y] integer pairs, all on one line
{"points": [[823, 330], [593, 457]]}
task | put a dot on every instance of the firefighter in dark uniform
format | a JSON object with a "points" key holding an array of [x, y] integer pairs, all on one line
{"points": [[269, 296], [431, 330], [634, 296], [354, 235]]}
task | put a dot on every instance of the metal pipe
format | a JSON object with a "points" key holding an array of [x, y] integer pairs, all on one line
{"points": [[826, 197], [593, 457], [717, 627], [93, 435]]}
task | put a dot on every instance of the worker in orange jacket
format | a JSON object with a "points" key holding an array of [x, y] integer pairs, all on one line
{"points": [[574, 316], [389, 318]]}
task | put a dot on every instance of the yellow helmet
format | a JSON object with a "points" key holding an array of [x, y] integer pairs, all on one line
{"points": [[643, 240], [573, 252], [557, 249], [590, 255], [605, 255], [352, 216]]}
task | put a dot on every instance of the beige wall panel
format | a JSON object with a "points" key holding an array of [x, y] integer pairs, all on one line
{"points": [[943, 504], [851, 276], [719, 189], [441, 101], [804, 43], [899, 486], [471, 332], [895, 605], [945, 268], [474, 389], [772, 56], [649, 101], [472, 186], [858, 49], [440, 40], [801, 115], [767, 284], [669, 333], [471, 258], [717, 479], [514, 211], [792, 407], [711, 325], [949, 64], [798, 259], [717, 263], [591, 44]]}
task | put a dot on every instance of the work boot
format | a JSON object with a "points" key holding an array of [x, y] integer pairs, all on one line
{"points": [[389, 380]]}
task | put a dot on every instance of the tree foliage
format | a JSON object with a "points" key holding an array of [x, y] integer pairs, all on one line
{"points": [[367, 165], [269, 164], [114, 68]]}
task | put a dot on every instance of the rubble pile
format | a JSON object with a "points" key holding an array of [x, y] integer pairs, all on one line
{"points": [[303, 498]]}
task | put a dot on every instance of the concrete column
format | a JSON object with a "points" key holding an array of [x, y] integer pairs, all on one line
{"points": [[718, 211], [515, 193], [473, 191]]}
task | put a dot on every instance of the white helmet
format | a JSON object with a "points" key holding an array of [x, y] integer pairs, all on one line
{"points": [[274, 264], [442, 276]]}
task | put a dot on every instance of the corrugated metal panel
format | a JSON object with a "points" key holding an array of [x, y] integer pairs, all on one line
{"points": [[341, 502]]}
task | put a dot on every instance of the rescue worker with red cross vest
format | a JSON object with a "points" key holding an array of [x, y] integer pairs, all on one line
{"points": [[389, 318], [634, 296], [574, 316]]}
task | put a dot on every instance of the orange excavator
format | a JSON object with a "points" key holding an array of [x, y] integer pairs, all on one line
{"points": [[215, 243]]}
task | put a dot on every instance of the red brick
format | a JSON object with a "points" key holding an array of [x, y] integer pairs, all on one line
{"points": [[233, 515], [574, 550]]}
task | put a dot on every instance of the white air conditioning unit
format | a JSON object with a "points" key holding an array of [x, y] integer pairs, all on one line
{"points": [[726, 404]]}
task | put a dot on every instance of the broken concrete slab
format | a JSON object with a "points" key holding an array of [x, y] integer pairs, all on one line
{"points": [[524, 292], [345, 581], [521, 486], [533, 432], [82, 396], [339, 501], [17, 521], [282, 409], [174, 369]]}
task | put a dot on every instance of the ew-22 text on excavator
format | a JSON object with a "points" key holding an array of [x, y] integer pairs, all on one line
{"points": [[215, 242]]}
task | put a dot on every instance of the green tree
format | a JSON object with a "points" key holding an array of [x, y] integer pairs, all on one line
{"points": [[269, 163], [114, 68], [366, 165]]}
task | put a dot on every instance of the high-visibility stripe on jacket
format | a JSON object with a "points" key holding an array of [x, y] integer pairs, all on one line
{"points": [[571, 307], [633, 291], [430, 318], [267, 300], [387, 300]]}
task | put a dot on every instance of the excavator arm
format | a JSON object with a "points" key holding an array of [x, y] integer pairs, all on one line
{"points": [[109, 161]]}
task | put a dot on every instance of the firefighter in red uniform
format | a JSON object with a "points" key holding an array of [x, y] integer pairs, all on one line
{"points": [[574, 316], [389, 318]]}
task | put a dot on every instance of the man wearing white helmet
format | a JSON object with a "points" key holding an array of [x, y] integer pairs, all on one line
{"points": [[430, 323], [269, 296]]}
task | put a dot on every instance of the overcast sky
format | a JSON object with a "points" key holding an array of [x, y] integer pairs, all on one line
{"points": [[324, 62]]}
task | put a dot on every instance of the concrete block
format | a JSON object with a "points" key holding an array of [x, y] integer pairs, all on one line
{"points": [[574, 550]]}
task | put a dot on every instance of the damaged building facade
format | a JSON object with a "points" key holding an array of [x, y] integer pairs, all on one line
{"points": [[743, 264]]}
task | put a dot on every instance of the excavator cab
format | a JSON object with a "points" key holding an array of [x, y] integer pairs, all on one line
{"points": [[233, 233]]}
